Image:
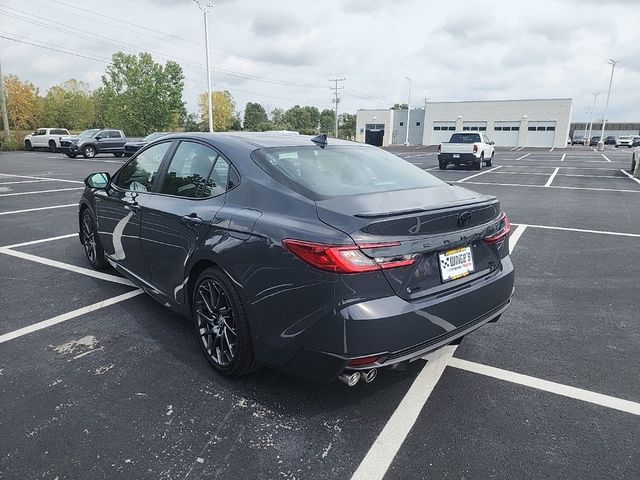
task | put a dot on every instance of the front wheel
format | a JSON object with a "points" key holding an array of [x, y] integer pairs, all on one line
{"points": [[221, 324], [89, 151], [27, 146], [89, 237]]}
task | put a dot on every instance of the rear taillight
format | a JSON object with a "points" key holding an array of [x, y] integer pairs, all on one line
{"points": [[346, 258], [475, 148], [500, 230], [439, 147]]}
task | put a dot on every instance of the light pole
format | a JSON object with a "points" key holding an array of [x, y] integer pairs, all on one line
{"points": [[406, 137], [613, 63], [593, 109], [206, 7]]}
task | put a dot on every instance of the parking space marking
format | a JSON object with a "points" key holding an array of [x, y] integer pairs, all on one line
{"points": [[630, 176], [478, 174], [40, 191], [551, 177], [547, 386], [552, 149], [556, 186], [25, 181], [519, 149], [378, 459], [42, 240], [68, 316], [579, 230], [525, 156], [40, 178], [563, 157], [65, 266], [39, 208], [605, 157]]}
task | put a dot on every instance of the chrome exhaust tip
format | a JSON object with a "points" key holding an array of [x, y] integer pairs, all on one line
{"points": [[350, 378], [370, 375]]}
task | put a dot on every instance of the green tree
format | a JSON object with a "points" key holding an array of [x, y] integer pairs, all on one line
{"points": [[303, 119], [278, 121], [347, 125], [24, 104], [70, 105], [223, 110], [399, 106], [236, 125], [328, 121], [254, 116], [139, 95]]}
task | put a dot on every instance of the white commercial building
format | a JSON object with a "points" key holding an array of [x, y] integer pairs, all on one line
{"points": [[509, 123]]}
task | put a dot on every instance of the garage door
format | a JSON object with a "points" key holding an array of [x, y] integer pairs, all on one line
{"points": [[505, 134], [541, 134], [442, 132]]}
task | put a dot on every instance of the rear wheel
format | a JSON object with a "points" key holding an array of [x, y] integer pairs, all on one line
{"points": [[488, 162], [52, 146], [117, 154], [221, 324], [89, 237], [27, 146], [443, 165], [478, 165], [89, 151]]}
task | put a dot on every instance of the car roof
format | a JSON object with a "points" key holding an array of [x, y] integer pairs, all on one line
{"points": [[260, 139]]}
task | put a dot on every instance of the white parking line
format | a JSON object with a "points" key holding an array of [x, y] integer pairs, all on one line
{"points": [[39, 208], [526, 155], [40, 178], [563, 157], [68, 316], [42, 240], [552, 149], [478, 174], [547, 386], [605, 157], [555, 186], [630, 176], [40, 191], [580, 230], [551, 177], [65, 266], [25, 181], [512, 149], [519, 149], [376, 462]]}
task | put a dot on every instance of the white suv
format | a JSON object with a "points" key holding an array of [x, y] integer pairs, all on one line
{"points": [[45, 138]]}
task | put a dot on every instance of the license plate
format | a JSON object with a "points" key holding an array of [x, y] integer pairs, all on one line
{"points": [[456, 263], [456, 155]]}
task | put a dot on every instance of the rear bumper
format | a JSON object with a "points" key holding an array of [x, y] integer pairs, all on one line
{"points": [[461, 158], [400, 331]]}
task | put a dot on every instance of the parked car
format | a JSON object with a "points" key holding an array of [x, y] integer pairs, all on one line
{"points": [[466, 148], [624, 141], [594, 141], [94, 141], [319, 257], [132, 147], [578, 140], [635, 159], [45, 138], [610, 140], [636, 142]]}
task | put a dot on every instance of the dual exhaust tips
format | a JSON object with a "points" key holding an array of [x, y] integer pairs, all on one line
{"points": [[352, 378]]}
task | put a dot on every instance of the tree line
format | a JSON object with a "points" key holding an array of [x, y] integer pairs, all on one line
{"points": [[140, 96]]}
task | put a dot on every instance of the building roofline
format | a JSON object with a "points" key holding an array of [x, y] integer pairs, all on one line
{"points": [[510, 100]]}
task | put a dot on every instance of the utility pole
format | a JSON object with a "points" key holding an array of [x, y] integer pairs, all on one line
{"points": [[593, 109], [3, 107], [613, 64], [206, 8], [336, 98], [406, 137]]}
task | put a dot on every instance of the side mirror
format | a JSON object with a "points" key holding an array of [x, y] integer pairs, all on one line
{"points": [[98, 137], [98, 180]]}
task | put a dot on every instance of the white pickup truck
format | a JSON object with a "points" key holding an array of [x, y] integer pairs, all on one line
{"points": [[45, 138], [466, 148]]}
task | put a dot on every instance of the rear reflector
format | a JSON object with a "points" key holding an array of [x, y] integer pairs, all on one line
{"points": [[500, 230], [345, 258], [358, 362]]}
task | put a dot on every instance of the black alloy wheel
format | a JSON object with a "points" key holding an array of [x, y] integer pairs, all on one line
{"points": [[89, 237], [221, 324]]}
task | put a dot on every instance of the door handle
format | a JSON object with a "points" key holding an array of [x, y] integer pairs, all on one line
{"points": [[192, 219]]}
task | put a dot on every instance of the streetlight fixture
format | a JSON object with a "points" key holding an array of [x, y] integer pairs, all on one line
{"points": [[206, 7], [593, 109], [613, 64], [406, 137]]}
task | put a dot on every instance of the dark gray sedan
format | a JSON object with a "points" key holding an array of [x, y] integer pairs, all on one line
{"points": [[319, 257]]}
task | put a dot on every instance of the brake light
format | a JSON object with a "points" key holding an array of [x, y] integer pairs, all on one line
{"points": [[503, 228], [475, 148], [439, 147], [346, 258]]}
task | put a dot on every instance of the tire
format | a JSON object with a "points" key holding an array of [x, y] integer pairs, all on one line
{"points": [[71, 155], [215, 330], [117, 154], [27, 146], [633, 165], [443, 165], [489, 162], [478, 165], [89, 151], [91, 242], [52, 146]]}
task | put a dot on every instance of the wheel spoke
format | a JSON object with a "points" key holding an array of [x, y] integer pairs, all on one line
{"points": [[214, 320]]}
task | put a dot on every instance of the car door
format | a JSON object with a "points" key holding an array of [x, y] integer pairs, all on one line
{"points": [[118, 209], [40, 137], [190, 191], [108, 140]]}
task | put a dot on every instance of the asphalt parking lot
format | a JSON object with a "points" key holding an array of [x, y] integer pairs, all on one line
{"points": [[98, 381]]}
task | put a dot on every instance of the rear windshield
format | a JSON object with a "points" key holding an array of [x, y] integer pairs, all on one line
{"points": [[464, 138], [341, 170]]}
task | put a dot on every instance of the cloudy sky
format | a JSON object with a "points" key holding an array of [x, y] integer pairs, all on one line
{"points": [[283, 52]]}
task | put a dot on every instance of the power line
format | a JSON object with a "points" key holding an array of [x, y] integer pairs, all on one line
{"points": [[55, 49], [336, 99]]}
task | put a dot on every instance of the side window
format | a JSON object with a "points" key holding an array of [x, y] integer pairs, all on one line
{"points": [[140, 172], [41, 131], [114, 134], [196, 171]]}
